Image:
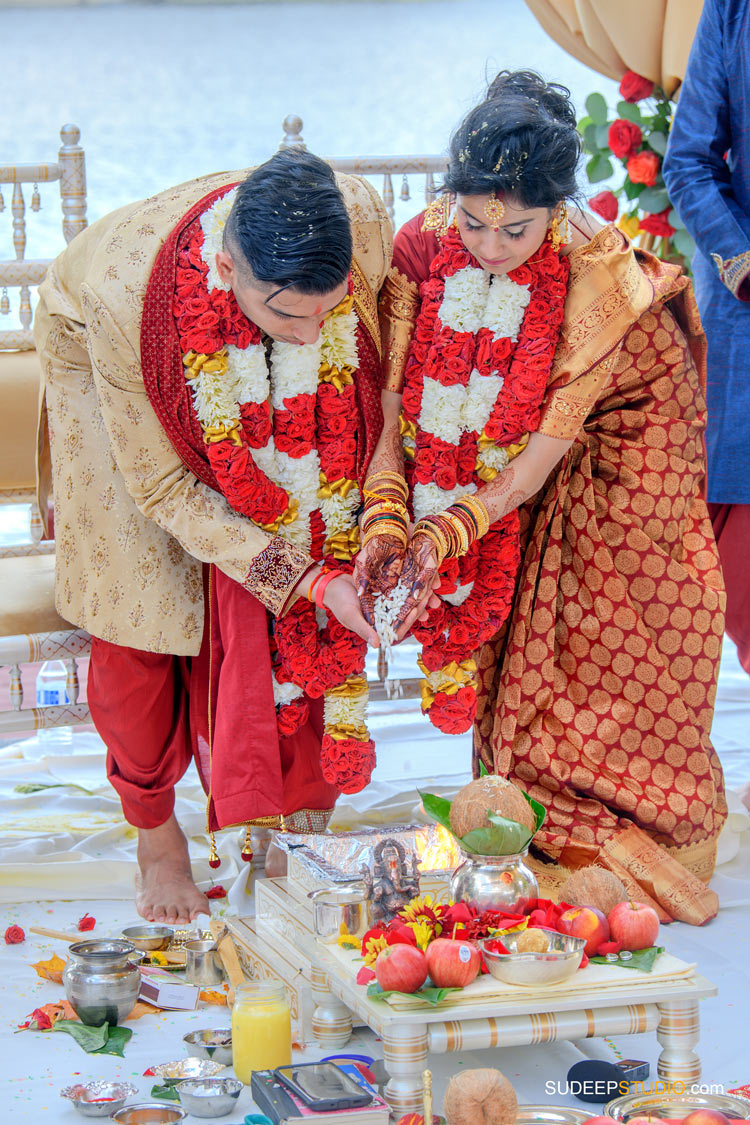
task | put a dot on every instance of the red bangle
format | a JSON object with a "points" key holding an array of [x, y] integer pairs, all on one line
{"points": [[312, 585], [320, 588]]}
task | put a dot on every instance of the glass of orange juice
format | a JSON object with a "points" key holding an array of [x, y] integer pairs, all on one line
{"points": [[261, 1028]]}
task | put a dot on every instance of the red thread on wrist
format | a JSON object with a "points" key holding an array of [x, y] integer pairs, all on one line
{"points": [[320, 588]]}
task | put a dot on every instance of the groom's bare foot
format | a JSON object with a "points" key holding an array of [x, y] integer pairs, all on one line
{"points": [[165, 891]]}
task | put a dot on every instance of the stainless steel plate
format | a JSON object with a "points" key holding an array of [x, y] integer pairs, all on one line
{"points": [[551, 1115], [675, 1105]]}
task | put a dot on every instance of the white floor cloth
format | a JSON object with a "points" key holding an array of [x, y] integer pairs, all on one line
{"points": [[69, 841]]}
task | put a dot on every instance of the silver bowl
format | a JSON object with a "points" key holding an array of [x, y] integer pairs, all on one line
{"points": [[675, 1106], [209, 1097], [88, 1097], [533, 970], [149, 938], [188, 1068], [208, 1044], [149, 1113]]}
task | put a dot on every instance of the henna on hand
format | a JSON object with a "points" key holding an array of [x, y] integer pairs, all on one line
{"points": [[499, 497], [420, 574], [377, 569]]}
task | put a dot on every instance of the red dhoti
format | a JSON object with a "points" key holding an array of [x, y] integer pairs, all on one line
{"points": [[731, 524], [155, 712]]}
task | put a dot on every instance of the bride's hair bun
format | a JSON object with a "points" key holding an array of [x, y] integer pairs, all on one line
{"points": [[521, 141]]}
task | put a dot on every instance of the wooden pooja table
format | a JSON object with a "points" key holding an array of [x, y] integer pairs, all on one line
{"points": [[326, 1000]]}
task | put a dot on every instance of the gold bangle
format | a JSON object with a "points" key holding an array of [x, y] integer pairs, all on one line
{"points": [[436, 538], [385, 527], [460, 531], [480, 512]]}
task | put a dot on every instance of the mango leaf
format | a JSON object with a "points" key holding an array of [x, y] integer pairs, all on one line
{"points": [[90, 1038], [429, 993], [599, 168], [683, 243], [653, 199], [501, 837], [483, 771], [630, 112], [642, 959], [596, 107], [438, 808], [166, 1093], [658, 141], [117, 1039], [539, 810]]}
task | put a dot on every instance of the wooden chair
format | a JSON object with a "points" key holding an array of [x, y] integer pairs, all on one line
{"points": [[31, 630]]}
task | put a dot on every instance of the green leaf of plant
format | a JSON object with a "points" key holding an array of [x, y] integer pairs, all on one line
{"points": [[632, 191], [589, 138], [166, 1093], [674, 220], [658, 141], [630, 112], [501, 837], [583, 123], [599, 168], [90, 1038], [38, 786], [642, 959], [438, 808], [653, 199], [429, 993], [683, 243], [483, 771], [539, 810], [596, 108], [602, 136], [116, 1041]]}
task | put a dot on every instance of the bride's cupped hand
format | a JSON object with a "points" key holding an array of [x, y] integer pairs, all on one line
{"points": [[377, 569], [420, 575]]}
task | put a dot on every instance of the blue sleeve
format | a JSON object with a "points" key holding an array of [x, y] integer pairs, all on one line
{"points": [[697, 176]]}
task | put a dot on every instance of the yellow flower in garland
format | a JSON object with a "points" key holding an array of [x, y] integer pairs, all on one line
{"points": [[423, 909]]}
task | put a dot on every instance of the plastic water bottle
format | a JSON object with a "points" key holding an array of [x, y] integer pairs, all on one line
{"points": [[51, 691]]}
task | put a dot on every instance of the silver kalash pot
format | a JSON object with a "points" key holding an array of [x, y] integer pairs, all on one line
{"points": [[101, 982], [495, 882]]}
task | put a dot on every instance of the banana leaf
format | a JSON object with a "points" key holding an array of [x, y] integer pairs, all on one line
{"points": [[642, 959], [427, 992]]}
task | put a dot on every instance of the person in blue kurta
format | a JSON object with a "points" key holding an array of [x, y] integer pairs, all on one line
{"points": [[707, 173]]}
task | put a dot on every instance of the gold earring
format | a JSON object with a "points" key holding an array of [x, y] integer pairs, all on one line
{"points": [[559, 228], [437, 214]]}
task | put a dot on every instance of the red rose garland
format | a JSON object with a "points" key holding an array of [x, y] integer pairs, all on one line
{"points": [[317, 660], [452, 358]]}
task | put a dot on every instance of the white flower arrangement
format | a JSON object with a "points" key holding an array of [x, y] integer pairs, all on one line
{"points": [[338, 511], [429, 499], [212, 223], [215, 400], [246, 368], [285, 693], [298, 476], [465, 300], [459, 595], [505, 307], [340, 710], [442, 410], [338, 340], [494, 457], [294, 371]]}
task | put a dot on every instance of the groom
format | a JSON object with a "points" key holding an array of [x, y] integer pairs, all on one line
{"points": [[176, 587]]}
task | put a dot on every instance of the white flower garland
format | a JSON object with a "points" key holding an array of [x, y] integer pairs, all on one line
{"points": [[285, 693]]}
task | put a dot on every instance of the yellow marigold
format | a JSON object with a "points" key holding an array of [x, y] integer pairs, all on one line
{"points": [[373, 947], [158, 958]]}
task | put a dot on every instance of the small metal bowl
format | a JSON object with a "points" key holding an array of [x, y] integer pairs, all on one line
{"points": [[188, 1068], [149, 1113], [208, 1044], [675, 1106], [535, 970], [149, 938], [209, 1097], [98, 1099]]}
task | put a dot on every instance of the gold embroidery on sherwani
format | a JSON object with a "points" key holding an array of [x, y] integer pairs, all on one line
{"points": [[274, 572], [398, 308], [733, 271]]}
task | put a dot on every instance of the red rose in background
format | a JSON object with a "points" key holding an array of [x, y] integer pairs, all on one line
{"points": [[658, 224], [604, 203], [643, 168], [86, 922], [623, 138], [14, 935], [634, 86]]}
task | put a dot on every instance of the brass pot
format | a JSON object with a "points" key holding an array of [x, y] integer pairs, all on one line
{"points": [[495, 882]]}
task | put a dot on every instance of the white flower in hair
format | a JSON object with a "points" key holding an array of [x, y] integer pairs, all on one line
{"points": [[212, 223]]}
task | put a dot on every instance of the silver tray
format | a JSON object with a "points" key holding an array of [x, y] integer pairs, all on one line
{"points": [[339, 858], [675, 1105], [551, 1115]]}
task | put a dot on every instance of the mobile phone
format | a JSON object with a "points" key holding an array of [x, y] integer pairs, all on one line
{"points": [[323, 1086]]}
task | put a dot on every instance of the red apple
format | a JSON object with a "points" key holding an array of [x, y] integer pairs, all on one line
{"points": [[636, 926], [585, 922], [599, 1121], [452, 963], [401, 968], [706, 1117]]}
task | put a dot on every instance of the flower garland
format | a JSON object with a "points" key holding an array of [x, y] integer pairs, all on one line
{"points": [[283, 448], [477, 370]]}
